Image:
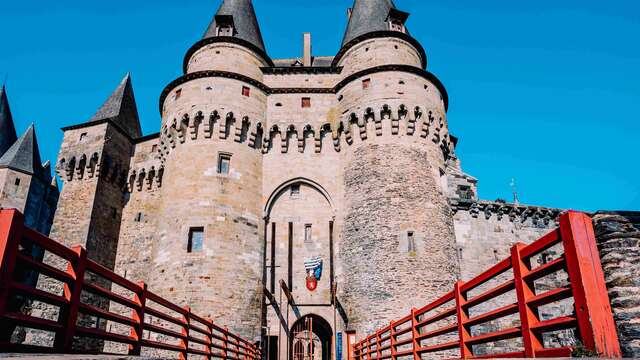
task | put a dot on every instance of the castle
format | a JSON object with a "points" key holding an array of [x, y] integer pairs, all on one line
{"points": [[330, 180]]}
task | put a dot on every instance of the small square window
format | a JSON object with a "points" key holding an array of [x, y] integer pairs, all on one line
{"points": [[196, 238], [178, 94], [307, 233], [83, 137], [366, 83], [306, 102], [295, 189], [224, 163], [17, 181], [246, 91]]}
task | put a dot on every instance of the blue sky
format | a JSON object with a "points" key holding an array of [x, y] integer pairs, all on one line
{"points": [[546, 92]]}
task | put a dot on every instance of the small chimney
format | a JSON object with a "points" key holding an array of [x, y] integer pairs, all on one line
{"points": [[349, 11], [306, 59]]}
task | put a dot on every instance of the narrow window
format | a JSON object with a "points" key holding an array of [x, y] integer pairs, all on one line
{"points": [[411, 243], [83, 137], [196, 236], [114, 213], [246, 91], [366, 83], [224, 162], [138, 217], [178, 94], [295, 190], [306, 102], [307, 233], [17, 181]]}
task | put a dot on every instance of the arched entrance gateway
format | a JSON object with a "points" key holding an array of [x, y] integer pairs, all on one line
{"points": [[310, 339], [299, 271]]}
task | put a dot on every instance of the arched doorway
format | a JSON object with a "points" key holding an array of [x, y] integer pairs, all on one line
{"points": [[310, 339]]}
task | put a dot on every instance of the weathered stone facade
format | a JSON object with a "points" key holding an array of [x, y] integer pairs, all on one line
{"points": [[618, 235], [262, 167]]}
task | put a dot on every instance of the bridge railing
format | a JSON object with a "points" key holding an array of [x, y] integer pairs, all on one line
{"points": [[176, 329], [424, 331]]}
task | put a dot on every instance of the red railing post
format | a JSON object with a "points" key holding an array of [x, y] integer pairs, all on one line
{"points": [[225, 343], [524, 292], [462, 316], [72, 293], [140, 298], [184, 342], [414, 334], [11, 224], [378, 353], [392, 338], [592, 306]]}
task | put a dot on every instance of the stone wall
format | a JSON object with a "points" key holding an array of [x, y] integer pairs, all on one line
{"points": [[618, 236]]}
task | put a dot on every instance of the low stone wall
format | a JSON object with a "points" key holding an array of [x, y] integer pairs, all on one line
{"points": [[618, 236]]}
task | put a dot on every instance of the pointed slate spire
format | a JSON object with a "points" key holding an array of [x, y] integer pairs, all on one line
{"points": [[241, 16], [24, 154], [121, 108], [369, 16], [8, 134]]}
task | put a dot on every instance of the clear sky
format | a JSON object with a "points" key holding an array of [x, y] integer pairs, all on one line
{"points": [[546, 92]]}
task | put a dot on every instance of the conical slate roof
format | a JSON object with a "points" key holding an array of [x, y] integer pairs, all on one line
{"points": [[121, 108], [245, 21], [368, 16], [8, 134], [24, 154]]}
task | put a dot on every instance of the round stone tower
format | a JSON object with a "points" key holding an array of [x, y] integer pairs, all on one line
{"points": [[398, 244], [209, 254]]}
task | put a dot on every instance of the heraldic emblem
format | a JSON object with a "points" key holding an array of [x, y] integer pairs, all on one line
{"points": [[313, 267]]}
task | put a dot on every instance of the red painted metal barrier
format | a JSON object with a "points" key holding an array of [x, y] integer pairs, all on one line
{"points": [[592, 316], [149, 313]]}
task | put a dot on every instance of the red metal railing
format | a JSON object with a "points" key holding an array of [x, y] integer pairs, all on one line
{"points": [[591, 317], [190, 334]]}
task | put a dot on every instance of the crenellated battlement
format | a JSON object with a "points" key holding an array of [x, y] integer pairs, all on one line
{"points": [[145, 178], [523, 214], [428, 124]]}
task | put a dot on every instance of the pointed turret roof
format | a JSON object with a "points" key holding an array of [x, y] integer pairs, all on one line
{"points": [[244, 20], [369, 16], [8, 134], [24, 154], [121, 108]]}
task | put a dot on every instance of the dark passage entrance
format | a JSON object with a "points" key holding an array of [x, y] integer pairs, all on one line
{"points": [[310, 339]]}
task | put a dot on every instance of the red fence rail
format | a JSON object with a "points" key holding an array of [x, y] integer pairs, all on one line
{"points": [[592, 316], [191, 334]]}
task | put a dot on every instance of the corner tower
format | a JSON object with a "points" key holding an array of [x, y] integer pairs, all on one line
{"points": [[398, 244], [209, 252]]}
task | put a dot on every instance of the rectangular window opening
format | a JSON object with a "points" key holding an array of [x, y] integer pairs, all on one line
{"points": [[246, 91], [295, 190], [224, 163], [17, 181], [307, 233], [196, 237], [366, 83], [306, 102], [178, 94]]}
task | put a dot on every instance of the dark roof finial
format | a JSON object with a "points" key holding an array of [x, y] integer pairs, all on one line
{"points": [[241, 15], [369, 16], [121, 108], [8, 134], [24, 155]]}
